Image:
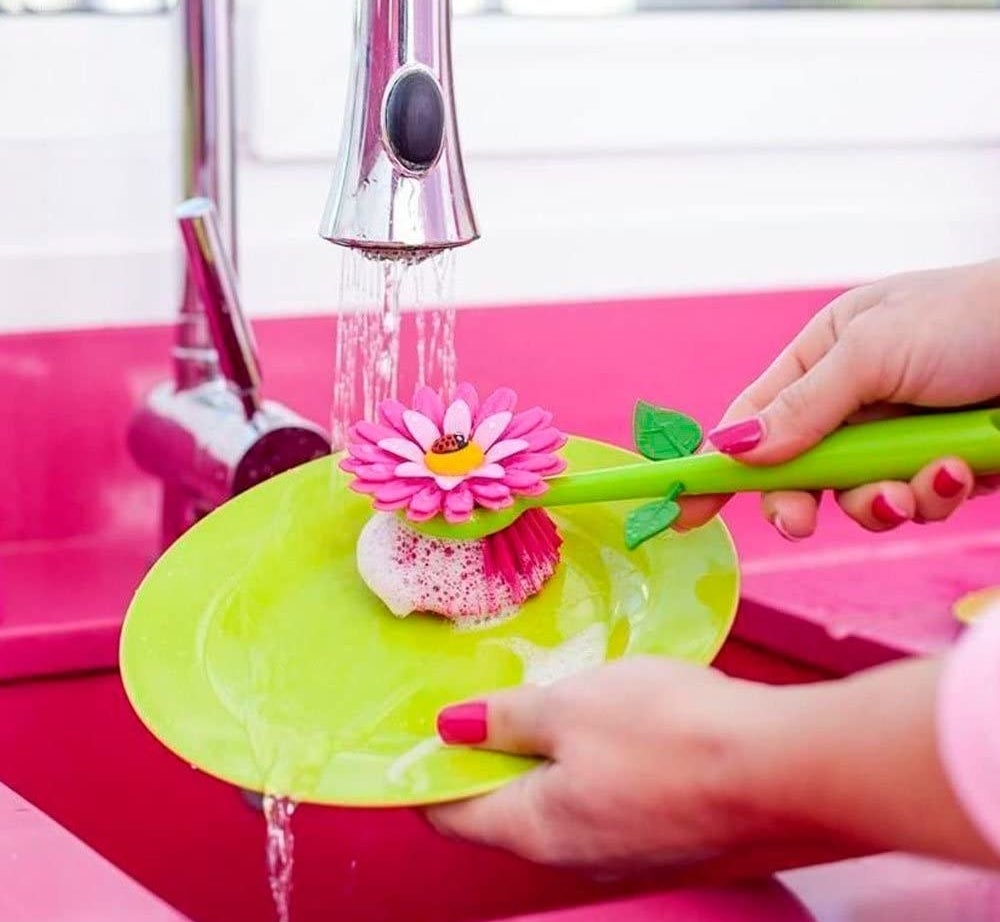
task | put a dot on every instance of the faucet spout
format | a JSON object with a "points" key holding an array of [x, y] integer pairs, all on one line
{"points": [[400, 190]]}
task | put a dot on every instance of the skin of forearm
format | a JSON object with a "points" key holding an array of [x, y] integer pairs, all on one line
{"points": [[857, 761]]}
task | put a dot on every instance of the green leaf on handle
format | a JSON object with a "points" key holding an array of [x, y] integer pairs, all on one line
{"points": [[663, 434], [652, 519]]}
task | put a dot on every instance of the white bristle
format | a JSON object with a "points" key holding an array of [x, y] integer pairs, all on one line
{"points": [[412, 572]]}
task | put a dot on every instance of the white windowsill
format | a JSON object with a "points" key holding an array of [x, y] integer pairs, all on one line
{"points": [[664, 153]]}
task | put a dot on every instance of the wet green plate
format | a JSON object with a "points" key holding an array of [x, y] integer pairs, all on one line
{"points": [[254, 651]]}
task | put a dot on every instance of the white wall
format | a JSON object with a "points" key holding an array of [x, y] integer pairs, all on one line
{"points": [[655, 154]]}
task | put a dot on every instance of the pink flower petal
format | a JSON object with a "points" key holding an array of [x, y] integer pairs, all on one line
{"points": [[505, 449], [367, 453], [458, 504], [425, 504], [370, 432], [376, 473], [428, 401], [391, 413], [502, 400], [468, 393], [421, 428], [458, 419], [490, 429], [521, 480], [391, 497], [543, 440], [492, 495], [364, 486], [448, 483], [529, 420], [545, 464], [558, 466], [496, 504], [402, 448], [413, 469], [489, 489], [349, 465], [489, 472], [397, 491]]}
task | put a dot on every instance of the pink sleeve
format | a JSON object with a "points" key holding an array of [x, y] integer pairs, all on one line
{"points": [[969, 725]]}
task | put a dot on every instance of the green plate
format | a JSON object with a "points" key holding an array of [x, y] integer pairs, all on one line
{"points": [[254, 651]]}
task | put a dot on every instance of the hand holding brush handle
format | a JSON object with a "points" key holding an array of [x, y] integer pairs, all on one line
{"points": [[909, 343]]}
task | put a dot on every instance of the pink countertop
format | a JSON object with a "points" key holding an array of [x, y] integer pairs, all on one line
{"points": [[885, 888], [46, 875], [78, 530], [77, 511]]}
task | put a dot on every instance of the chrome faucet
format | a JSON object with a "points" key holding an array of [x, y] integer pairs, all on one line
{"points": [[399, 193], [207, 435], [400, 189]]}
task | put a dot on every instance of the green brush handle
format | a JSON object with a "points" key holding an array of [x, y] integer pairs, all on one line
{"points": [[894, 449]]}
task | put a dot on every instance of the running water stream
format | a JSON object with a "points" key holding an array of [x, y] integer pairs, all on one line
{"points": [[280, 852], [366, 371], [366, 363]]}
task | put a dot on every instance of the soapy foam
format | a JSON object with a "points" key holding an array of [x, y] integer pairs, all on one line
{"points": [[413, 572], [546, 665]]}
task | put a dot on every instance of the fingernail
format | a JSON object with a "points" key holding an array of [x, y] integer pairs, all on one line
{"points": [[463, 724], [946, 484], [738, 438], [779, 527], [886, 512]]}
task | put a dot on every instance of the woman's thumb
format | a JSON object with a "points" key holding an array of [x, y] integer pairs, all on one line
{"points": [[513, 721]]}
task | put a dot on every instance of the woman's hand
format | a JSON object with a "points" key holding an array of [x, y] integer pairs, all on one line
{"points": [[925, 339], [646, 760], [654, 763]]}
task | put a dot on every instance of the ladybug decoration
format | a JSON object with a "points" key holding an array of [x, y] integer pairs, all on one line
{"points": [[449, 444]]}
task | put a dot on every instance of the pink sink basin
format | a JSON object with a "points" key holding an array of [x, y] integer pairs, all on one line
{"points": [[78, 530]]}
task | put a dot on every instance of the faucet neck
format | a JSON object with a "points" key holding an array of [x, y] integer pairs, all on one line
{"points": [[209, 162]]}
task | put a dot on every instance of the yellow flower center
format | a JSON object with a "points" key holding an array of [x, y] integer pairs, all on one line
{"points": [[451, 456]]}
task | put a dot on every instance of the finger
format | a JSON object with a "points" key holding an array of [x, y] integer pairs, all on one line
{"points": [[940, 488], [514, 721], [879, 506], [986, 485], [697, 510], [806, 411], [804, 352], [873, 412], [511, 818], [815, 340], [793, 515]]}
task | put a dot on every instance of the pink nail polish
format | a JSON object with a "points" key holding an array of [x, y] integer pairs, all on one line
{"points": [[738, 438], [946, 484], [463, 724], [887, 512]]}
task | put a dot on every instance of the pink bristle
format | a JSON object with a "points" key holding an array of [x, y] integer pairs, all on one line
{"points": [[500, 561], [525, 554]]}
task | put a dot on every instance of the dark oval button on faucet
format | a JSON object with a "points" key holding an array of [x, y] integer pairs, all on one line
{"points": [[414, 120]]}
